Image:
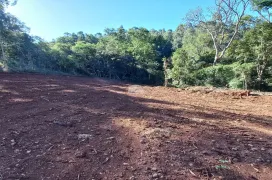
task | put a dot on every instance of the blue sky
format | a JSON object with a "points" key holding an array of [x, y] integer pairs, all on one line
{"points": [[51, 18]]}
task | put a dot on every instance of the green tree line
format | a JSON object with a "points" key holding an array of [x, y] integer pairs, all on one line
{"points": [[221, 47]]}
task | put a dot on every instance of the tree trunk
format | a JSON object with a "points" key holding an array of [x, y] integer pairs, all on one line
{"points": [[216, 58], [245, 82], [166, 82], [260, 83], [260, 70], [165, 65], [3, 52]]}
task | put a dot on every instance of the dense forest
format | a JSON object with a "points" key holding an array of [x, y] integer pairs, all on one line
{"points": [[222, 46]]}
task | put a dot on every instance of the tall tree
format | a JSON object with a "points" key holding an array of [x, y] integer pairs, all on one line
{"points": [[262, 3], [221, 22], [257, 45], [177, 36], [10, 27], [264, 9], [5, 3]]}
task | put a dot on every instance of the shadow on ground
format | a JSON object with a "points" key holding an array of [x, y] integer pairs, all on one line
{"points": [[80, 128]]}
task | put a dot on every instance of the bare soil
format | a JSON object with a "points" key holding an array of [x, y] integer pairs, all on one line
{"points": [[75, 128]]}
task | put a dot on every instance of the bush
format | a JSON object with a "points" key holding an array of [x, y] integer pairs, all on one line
{"points": [[217, 76]]}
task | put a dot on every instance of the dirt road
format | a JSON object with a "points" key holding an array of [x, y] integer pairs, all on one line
{"points": [[74, 128]]}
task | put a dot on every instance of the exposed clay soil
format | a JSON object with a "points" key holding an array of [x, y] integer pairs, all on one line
{"points": [[74, 128]]}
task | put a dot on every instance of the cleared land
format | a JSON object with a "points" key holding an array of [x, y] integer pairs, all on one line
{"points": [[57, 127]]}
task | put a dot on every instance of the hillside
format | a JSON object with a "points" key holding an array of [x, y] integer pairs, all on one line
{"points": [[61, 127]]}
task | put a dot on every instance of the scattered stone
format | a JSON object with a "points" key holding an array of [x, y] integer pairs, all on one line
{"points": [[80, 154], [234, 149], [143, 141], [111, 138], [155, 175], [106, 160], [122, 174], [84, 137], [133, 169], [28, 152], [13, 143], [254, 149]]}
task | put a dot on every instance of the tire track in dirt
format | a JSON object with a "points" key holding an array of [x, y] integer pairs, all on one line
{"points": [[83, 128]]}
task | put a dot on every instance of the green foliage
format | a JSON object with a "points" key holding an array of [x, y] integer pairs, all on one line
{"points": [[140, 55], [262, 3], [256, 47], [5, 3], [183, 66], [218, 75], [197, 43]]}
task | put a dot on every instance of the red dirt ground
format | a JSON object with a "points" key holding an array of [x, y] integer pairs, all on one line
{"points": [[74, 128]]}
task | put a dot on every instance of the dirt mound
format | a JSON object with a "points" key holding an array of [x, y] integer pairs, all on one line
{"points": [[59, 127]]}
